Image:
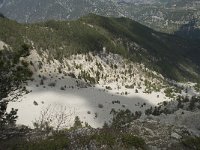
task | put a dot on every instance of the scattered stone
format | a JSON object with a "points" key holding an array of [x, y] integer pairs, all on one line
{"points": [[176, 136]]}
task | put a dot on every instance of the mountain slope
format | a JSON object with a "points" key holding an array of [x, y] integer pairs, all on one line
{"points": [[172, 56], [95, 67]]}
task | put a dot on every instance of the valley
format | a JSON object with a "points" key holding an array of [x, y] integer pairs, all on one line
{"points": [[97, 78]]}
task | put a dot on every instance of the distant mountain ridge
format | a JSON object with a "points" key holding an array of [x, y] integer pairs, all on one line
{"points": [[161, 15]]}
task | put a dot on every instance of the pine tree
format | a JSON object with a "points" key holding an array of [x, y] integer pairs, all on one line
{"points": [[11, 78], [77, 123]]}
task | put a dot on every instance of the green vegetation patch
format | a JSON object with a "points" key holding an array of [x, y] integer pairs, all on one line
{"points": [[55, 142], [133, 141], [192, 143]]}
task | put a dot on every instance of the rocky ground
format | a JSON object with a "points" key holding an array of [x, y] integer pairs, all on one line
{"points": [[139, 134]]}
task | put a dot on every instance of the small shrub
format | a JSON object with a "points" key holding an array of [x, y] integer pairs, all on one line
{"points": [[35, 103], [108, 88], [169, 92], [77, 123], [105, 138], [41, 82], [87, 125], [105, 125], [180, 105], [24, 63], [123, 117], [72, 75], [62, 88], [129, 86], [197, 87], [95, 115], [40, 64], [116, 102], [60, 70], [130, 141], [100, 105], [88, 112], [53, 84], [192, 104]]}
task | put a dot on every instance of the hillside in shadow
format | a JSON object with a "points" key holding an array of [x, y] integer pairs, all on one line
{"points": [[191, 33], [189, 30]]}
